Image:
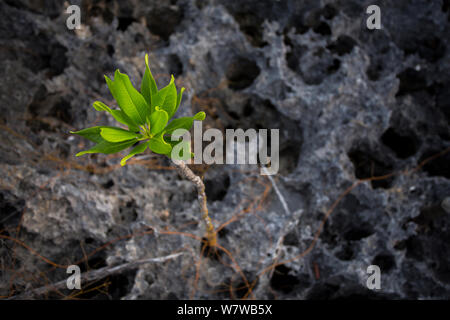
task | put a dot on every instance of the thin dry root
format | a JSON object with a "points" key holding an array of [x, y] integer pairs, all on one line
{"points": [[187, 173]]}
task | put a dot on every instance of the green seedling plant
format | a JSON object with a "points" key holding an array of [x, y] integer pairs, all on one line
{"points": [[147, 115]]}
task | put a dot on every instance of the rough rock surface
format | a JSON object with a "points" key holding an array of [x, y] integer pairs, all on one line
{"points": [[350, 103]]}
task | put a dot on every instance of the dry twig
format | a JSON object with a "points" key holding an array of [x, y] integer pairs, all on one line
{"points": [[94, 275]]}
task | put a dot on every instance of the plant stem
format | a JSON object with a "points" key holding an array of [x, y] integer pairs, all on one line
{"points": [[187, 173]]}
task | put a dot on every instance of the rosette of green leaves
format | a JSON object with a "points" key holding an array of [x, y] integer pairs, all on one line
{"points": [[146, 114]]}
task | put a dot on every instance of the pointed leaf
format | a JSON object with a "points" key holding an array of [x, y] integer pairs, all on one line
{"points": [[184, 122], [158, 99], [138, 149], [92, 134], [100, 106], [119, 115], [117, 134], [148, 84], [136, 96], [166, 98], [108, 147], [200, 116], [180, 95], [158, 121], [130, 101], [158, 145]]}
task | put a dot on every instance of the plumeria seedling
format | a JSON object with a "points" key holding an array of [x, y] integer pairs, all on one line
{"points": [[146, 114]]}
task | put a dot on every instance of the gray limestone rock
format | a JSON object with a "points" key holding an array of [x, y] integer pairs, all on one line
{"points": [[350, 103]]}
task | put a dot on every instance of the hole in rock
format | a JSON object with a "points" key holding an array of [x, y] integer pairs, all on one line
{"points": [[162, 21], [329, 11], [346, 253], [411, 80], [404, 145], [216, 186], [367, 164], [385, 261], [175, 65], [124, 23], [438, 167], [323, 28], [241, 73], [343, 45], [283, 281]]}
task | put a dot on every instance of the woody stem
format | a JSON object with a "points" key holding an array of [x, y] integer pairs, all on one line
{"points": [[187, 173]]}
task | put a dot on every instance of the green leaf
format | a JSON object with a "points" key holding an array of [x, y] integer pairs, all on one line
{"points": [[180, 123], [130, 101], [158, 145], [108, 147], [166, 98], [148, 84], [119, 115], [180, 95], [117, 134], [158, 121], [138, 149], [92, 134], [136, 97], [100, 106], [200, 116], [150, 108], [184, 122]]}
